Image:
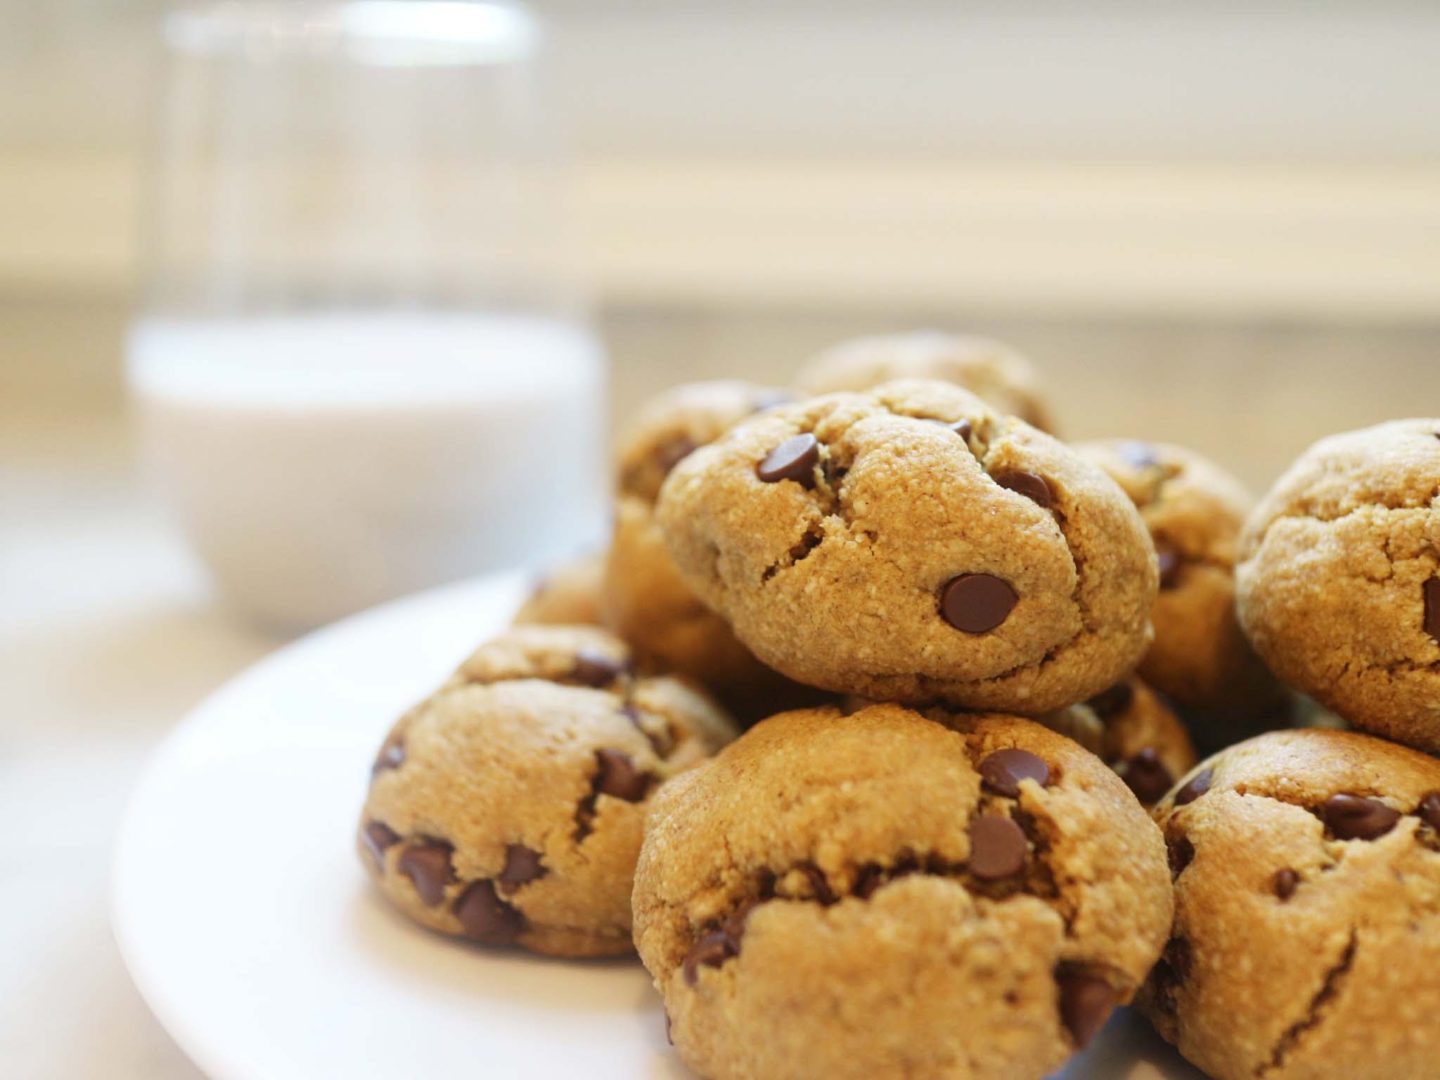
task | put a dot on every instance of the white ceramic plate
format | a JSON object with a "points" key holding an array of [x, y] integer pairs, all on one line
{"points": [[252, 932]]}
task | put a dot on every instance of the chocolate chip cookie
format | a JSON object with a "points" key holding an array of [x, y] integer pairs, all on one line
{"points": [[569, 595], [878, 894], [990, 369], [1307, 922], [645, 600], [1133, 730], [1339, 578], [1194, 510], [911, 543], [508, 808]]}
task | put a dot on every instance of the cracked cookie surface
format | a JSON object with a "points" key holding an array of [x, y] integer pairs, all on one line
{"points": [[1194, 510], [508, 807], [992, 370], [645, 600], [912, 544], [1338, 584], [1307, 911], [881, 894]]}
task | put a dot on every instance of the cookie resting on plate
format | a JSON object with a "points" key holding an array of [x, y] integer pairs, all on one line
{"points": [[1307, 911], [508, 808], [910, 543], [880, 894]]}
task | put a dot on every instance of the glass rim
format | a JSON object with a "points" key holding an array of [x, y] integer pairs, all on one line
{"points": [[382, 32]]}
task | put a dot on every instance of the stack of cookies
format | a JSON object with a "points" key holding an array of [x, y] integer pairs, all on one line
{"points": [[971, 662]]}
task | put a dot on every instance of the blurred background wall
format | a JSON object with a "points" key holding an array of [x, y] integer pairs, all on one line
{"points": [[1216, 223]]}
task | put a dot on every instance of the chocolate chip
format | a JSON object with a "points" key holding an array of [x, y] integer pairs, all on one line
{"points": [[977, 603], [1003, 770], [618, 776], [485, 917], [1168, 560], [870, 878], [662, 739], [1355, 817], [711, 950], [1179, 852], [1429, 810], [378, 837], [427, 865], [1109, 704], [595, 668], [1432, 608], [1147, 776], [522, 866], [668, 1037], [1032, 485], [963, 428], [997, 848], [819, 887], [1285, 883], [1196, 786], [1086, 1002], [1139, 455], [391, 756], [672, 452], [794, 459]]}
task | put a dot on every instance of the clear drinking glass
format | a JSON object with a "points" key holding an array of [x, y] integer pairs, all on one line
{"points": [[362, 362]]}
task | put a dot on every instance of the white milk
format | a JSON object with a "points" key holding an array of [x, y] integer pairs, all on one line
{"points": [[321, 464]]}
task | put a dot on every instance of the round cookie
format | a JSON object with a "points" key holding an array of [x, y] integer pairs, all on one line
{"points": [[1338, 584], [912, 544], [991, 370], [645, 600], [1194, 510], [508, 808], [878, 894], [1307, 920], [1132, 730], [568, 595]]}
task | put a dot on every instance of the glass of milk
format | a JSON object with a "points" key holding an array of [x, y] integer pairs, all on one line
{"points": [[362, 363]]}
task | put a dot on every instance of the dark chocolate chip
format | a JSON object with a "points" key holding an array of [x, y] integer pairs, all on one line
{"points": [[977, 603], [1285, 883], [1196, 786], [1111, 703], [1355, 817], [1139, 455], [391, 756], [963, 428], [485, 917], [711, 950], [1086, 1002], [668, 1038], [1147, 776], [1429, 810], [1032, 485], [1180, 853], [1432, 608], [377, 838], [1168, 560], [819, 887], [1003, 770], [595, 668], [618, 776], [673, 451], [794, 459], [870, 878], [662, 739], [998, 848], [522, 866], [427, 865]]}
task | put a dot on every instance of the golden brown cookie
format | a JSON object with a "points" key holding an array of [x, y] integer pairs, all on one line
{"points": [[1133, 730], [568, 595], [645, 600], [1307, 918], [881, 895], [508, 808], [1194, 510], [989, 369], [1339, 578], [910, 543]]}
